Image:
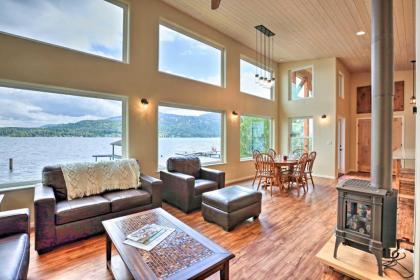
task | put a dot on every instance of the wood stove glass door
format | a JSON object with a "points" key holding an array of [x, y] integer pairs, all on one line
{"points": [[358, 217]]}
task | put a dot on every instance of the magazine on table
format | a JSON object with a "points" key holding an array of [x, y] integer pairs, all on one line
{"points": [[148, 236]]}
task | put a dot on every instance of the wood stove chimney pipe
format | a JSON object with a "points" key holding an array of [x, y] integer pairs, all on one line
{"points": [[382, 65]]}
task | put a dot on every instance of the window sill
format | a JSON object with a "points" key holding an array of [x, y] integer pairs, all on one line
{"points": [[203, 165], [16, 187], [247, 159]]}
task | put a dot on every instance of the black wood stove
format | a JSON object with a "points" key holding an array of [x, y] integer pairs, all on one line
{"points": [[366, 218]]}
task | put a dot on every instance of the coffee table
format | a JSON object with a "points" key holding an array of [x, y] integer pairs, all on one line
{"points": [[185, 254]]}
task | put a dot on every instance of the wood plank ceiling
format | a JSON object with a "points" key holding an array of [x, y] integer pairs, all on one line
{"points": [[308, 29]]}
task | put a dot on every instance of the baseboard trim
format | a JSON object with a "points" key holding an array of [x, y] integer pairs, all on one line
{"points": [[238, 180], [324, 176]]}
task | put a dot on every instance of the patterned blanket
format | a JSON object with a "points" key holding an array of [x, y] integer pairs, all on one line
{"points": [[90, 178]]}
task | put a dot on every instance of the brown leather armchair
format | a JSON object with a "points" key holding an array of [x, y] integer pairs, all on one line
{"points": [[14, 244], [185, 181]]}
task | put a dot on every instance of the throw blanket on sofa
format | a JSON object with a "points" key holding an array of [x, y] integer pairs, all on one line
{"points": [[90, 178]]}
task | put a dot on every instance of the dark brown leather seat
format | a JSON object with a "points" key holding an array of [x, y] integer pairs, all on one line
{"points": [[68, 211], [123, 200], [231, 206], [185, 181], [59, 221], [14, 244]]}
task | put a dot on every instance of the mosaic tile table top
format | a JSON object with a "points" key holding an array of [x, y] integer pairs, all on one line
{"points": [[185, 253]]}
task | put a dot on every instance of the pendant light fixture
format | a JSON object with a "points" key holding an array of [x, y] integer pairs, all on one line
{"points": [[264, 46]]}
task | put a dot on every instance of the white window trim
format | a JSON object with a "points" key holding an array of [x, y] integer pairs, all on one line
{"points": [[290, 82], [74, 92], [290, 130], [197, 108], [125, 55], [271, 137], [341, 85], [195, 36], [253, 62]]}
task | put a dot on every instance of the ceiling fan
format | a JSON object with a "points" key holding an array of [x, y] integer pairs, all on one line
{"points": [[215, 4]]}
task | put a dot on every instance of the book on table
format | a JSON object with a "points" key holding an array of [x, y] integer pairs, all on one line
{"points": [[148, 236]]}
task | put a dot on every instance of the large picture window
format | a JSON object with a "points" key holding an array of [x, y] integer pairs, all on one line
{"points": [[301, 134], [91, 26], [185, 56], [184, 132], [255, 134], [248, 84], [39, 128]]}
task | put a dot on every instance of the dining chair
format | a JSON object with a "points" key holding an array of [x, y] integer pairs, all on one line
{"points": [[297, 177], [254, 157], [266, 171], [272, 153], [309, 166]]}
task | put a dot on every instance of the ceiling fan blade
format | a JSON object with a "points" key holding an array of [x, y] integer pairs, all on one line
{"points": [[215, 4]]}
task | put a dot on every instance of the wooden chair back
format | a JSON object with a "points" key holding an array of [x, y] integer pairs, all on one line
{"points": [[272, 153], [311, 160], [255, 153], [301, 166], [265, 165]]}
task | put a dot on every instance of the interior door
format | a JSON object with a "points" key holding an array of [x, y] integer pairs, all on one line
{"points": [[364, 141]]}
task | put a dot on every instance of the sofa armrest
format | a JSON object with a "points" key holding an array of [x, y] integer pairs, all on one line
{"points": [[213, 175], [154, 187], [14, 221], [44, 205], [178, 188]]}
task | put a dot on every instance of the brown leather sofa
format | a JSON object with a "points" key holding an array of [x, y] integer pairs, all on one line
{"points": [[14, 244], [185, 181], [59, 221]]}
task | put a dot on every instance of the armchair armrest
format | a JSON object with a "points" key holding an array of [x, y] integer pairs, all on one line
{"points": [[44, 205], [213, 175], [14, 221], [154, 187], [178, 188]]}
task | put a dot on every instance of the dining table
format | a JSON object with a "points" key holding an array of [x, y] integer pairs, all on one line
{"points": [[281, 164]]}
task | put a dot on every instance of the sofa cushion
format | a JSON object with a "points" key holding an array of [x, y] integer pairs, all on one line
{"points": [[81, 208], [14, 256], [202, 186], [231, 198], [186, 165], [123, 200], [52, 176]]}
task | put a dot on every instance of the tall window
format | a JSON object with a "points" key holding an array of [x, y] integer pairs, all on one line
{"points": [[92, 26], [255, 135], [248, 84], [184, 56], [340, 84], [301, 134], [301, 83], [189, 132], [39, 128]]}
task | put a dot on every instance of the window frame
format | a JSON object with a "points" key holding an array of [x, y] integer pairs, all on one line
{"points": [[290, 81], [271, 137], [195, 108], [253, 62], [290, 130], [125, 43], [341, 81], [186, 32], [73, 92]]}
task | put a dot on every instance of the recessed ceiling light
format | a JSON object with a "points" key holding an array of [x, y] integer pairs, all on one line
{"points": [[360, 33]]}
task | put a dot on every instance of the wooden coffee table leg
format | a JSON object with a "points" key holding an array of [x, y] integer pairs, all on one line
{"points": [[108, 250], [224, 273]]}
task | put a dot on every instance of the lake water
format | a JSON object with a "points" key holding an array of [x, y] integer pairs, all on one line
{"points": [[31, 154]]}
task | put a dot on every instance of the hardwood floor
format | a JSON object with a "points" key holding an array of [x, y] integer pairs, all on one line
{"points": [[281, 244]]}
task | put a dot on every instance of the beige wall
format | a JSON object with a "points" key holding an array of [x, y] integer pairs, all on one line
{"points": [[323, 102], [364, 79], [32, 62]]}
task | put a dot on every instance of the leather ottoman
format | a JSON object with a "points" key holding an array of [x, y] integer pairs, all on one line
{"points": [[231, 206]]}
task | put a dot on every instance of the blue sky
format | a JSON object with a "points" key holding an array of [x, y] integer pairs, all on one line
{"points": [[27, 108]]}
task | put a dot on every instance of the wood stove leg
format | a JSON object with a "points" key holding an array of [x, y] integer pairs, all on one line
{"points": [[338, 241], [378, 255]]}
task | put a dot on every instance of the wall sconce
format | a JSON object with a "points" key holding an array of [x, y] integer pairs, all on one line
{"points": [[323, 116], [144, 102], [234, 113]]}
